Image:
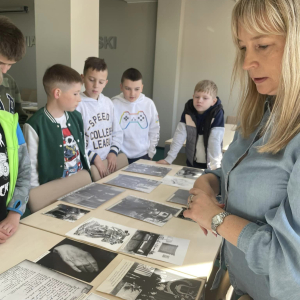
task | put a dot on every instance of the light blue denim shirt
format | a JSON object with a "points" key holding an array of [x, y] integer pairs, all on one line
{"points": [[264, 189]]}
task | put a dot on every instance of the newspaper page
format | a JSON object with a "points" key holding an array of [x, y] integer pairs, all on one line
{"points": [[28, 281]]}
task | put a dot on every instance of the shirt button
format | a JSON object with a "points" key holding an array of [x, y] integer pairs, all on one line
{"points": [[60, 145], [61, 166], [78, 141], [69, 124], [58, 126]]}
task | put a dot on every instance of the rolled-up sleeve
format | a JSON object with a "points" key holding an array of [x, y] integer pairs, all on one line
{"points": [[273, 249], [217, 173]]}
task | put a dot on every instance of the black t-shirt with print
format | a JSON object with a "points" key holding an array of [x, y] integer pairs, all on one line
{"points": [[4, 175]]}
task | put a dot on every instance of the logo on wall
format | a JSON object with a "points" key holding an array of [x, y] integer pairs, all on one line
{"points": [[105, 42], [108, 42], [30, 41]]}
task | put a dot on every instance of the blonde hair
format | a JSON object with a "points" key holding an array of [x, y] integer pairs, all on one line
{"points": [[207, 86], [272, 17]]}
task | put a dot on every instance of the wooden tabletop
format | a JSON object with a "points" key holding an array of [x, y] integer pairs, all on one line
{"points": [[201, 252], [31, 243]]}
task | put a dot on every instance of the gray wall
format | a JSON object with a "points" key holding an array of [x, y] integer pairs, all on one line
{"points": [[195, 45], [24, 71], [134, 25], [207, 51]]}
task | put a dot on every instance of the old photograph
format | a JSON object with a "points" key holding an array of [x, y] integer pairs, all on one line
{"points": [[102, 233], [92, 195], [66, 213], [77, 260], [135, 183], [182, 183], [142, 282], [28, 280], [145, 210], [191, 173], [156, 246], [180, 197], [181, 216], [148, 169]]}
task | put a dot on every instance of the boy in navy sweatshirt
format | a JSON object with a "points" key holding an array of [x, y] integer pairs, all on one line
{"points": [[202, 126]]}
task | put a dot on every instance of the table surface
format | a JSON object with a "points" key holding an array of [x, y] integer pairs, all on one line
{"points": [[201, 252], [227, 139], [31, 243]]}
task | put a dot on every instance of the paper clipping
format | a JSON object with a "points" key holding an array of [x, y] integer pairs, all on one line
{"points": [[181, 183], [92, 195], [161, 247], [77, 260], [102, 233], [28, 280], [180, 197], [148, 169], [134, 183], [66, 213], [134, 281], [191, 173], [145, 210]]}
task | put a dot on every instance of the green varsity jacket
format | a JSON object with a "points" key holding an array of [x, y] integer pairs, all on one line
{"points": [[50, 144]]}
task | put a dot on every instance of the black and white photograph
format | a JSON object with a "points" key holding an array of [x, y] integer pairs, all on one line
{"points": [[182, 183], [66, 213], [77, 260], [181, 216], [191, 173], [102, 233], [95, 297], [180, 197], [148, 169], [28, 280], [157, 246], [145, 210], [92, 195], [134, 183], [142, 282]]}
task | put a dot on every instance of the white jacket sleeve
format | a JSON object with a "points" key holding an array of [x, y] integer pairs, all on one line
{"points": [[178, 141], [32, 141], [154, 131], [117, 134], [214, 148]]}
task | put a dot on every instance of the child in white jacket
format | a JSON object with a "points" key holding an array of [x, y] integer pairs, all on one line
{"points": [[103, 135], [137, 117]]}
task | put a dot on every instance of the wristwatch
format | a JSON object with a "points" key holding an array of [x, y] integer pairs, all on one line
{"points": [[217, 220]]}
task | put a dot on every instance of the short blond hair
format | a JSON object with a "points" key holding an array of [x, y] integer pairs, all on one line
{"points": [[207, 86], [270, 17]]}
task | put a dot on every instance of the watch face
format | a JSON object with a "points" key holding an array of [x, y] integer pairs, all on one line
{"points": [[216, 220], [219, 219]]}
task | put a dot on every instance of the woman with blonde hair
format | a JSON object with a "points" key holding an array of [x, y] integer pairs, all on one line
{"points": [[260, 175]]}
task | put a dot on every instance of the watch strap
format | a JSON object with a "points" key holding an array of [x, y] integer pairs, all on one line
{"points": [[215, 225]]}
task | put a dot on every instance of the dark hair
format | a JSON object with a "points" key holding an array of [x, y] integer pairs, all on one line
{"points": [[12, 41], [60, 74], [95, 63], [132, 74]]}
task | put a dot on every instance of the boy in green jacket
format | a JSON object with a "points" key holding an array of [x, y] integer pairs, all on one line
{"points": [[54, 134]]}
